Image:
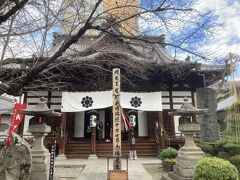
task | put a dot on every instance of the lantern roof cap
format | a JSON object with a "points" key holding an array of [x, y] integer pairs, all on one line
{"points": [[40, 109], [132, 111], [188, 109], [93, 111]]}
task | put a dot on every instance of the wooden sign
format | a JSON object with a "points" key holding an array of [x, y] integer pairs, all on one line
{"points": [[52, 159], [116, 120]]}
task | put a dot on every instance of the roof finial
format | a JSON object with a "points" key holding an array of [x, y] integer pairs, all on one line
{"points": [[185, 99], [42, 99]]}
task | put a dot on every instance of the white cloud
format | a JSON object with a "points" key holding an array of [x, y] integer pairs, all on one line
{"points": [[226, 37], [228, 40]]}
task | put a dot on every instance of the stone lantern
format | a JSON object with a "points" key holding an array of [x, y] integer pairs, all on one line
{"points": [[39, 129], [189, 154]]}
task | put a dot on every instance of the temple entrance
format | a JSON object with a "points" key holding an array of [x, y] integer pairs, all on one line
{"points": [[80, 126], [87, 128], [78, 140], [80, 130]]}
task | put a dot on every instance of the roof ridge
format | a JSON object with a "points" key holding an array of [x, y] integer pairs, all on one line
{"points": [[7, 99]]}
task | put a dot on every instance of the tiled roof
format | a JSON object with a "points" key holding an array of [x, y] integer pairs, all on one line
{"points": [[109, 44], [222, 105]]}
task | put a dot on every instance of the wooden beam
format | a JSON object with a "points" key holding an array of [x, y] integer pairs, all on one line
{"points": [[49, 99], [194, 104], [161, 133], [62, 138], [171, 108]]}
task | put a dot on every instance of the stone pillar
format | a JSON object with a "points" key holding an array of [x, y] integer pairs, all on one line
{"points": [[206, 99], [40, 155]]}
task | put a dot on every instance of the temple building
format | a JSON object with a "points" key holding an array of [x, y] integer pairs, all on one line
{"points": [[153, 83]]}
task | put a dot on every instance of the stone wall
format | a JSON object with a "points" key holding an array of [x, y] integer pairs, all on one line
{"points": [[206, 99]]}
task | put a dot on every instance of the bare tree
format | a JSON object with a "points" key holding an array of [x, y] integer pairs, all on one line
{"points": [[29, 55]]}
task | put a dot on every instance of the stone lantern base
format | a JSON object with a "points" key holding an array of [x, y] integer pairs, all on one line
{"points": [[40, 155], [187, 156]]}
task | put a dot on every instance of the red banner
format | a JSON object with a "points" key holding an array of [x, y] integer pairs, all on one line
{"points": [[16, 120]]}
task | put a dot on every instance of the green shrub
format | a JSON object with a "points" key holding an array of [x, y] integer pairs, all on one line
{"points": [[232, 148], [213, 168], [234, 106], [235, 160], [219, 145], [208, 155], [223, 155], [207, 148], [169, 153], [168, 164]]}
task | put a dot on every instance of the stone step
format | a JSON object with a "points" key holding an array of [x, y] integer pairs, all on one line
{"points": [[165, 177], [173, 176]]}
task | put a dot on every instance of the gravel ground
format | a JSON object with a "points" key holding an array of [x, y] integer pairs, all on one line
{"points": [[156, 171]]}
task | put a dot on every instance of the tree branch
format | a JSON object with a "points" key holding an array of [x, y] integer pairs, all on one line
{"points": [[12, 11], [26, 79]]}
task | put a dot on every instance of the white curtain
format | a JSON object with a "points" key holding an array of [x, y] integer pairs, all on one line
{"points": [[151, 101], [83, 101]]}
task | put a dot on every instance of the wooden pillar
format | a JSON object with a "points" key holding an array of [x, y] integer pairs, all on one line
{"points": [[193, 98], [62, 138], [49, 99], [194, 118], [93, 140], [171, 108], [161, 132]]}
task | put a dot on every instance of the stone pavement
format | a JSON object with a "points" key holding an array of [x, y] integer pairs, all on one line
{"points": [[96, 169]]}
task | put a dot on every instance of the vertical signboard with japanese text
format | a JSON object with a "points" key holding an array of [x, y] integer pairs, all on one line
{"points": [[116, 120]]}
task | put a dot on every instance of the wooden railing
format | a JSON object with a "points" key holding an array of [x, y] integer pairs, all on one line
{"points": [[177, 140]]}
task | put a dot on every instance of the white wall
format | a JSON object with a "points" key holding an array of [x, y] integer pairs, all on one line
{"points": [[142, 123], [176, 123], [79, 124], [56, 100], [177, 100], [26, 124], [6, 118]]}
